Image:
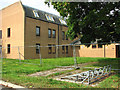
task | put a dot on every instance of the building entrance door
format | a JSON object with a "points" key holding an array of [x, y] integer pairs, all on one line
{"points": [[118, 51]]}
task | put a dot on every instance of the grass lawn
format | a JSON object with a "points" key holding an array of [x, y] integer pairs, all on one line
{"points": [[16, 72]]}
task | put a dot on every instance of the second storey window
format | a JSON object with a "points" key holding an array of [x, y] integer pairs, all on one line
{"points": [[63, 35], [37, 48], [49, 33], [8, 32], [54, 34], [8, 48], [66, 37], [37, 31]]}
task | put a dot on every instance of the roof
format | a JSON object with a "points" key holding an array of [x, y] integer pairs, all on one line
{"points": [[42, 15]]}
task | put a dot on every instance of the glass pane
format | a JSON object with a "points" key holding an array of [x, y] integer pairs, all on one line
{"points": [[48, 17], [66, 37], [37, 31], [62, 21], [63, 35], [51, 18], [36, 14], [66, 49], [49, 49], [49, 33], [53, 33]]}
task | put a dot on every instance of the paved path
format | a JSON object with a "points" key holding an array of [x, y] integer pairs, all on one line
{"points": [[5, 88], [9, 84]]}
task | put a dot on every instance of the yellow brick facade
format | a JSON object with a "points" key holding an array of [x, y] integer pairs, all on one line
{"points": [[31, 39], [105, 51], [23, 34], [13, 18]]}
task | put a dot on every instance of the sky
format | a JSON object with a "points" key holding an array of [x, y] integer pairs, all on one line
{"points": [[38, 4]]}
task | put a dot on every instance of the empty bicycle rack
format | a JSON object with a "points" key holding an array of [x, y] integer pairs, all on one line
{"points": [[90, 76]]}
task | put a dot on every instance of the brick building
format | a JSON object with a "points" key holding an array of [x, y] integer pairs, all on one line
{"points": [[24, 26], [95, 50]]}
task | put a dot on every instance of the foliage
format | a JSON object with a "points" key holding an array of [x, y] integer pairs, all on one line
{"points": [[91, 21]]}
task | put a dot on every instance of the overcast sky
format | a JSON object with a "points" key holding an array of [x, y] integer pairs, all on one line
{"points": [[39, 4]]}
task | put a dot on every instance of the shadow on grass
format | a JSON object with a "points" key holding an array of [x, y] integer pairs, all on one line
{"points": [[114, 62]]}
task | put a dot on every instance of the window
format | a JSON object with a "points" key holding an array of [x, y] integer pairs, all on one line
{"points": [[63, 49], [37, 31], [66, 37], [49, 17], [0, 34], [8, 32], [62, 21], [49, 48], [35, 13], [63, 35], [99, 45], [66, 49], [49, 33], [54, 34], [54, 49], [93, 46], [37, 48], [8, 48]]}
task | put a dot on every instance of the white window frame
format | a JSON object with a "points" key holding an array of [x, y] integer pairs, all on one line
{"points": [[62, 21], [50, 18], [35, 13]]}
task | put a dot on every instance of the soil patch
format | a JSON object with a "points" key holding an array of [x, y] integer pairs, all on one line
{"points": [[60, 69]]}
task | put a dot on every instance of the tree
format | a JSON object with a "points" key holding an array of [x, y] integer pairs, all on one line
{"points": [[91, 20]]}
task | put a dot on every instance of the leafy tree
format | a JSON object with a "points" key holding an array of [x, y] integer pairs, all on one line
{"points": [[91, 20]]}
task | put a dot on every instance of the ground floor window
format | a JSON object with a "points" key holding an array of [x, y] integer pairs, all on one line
{"points": [[54, 49], [93, 46], [99, 45], [8, 48], [66, 49], [49, 48], [37, 48], [63, 49]]}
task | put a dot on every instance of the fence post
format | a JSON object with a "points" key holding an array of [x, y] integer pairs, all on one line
{"points": [[57, 51], [1, 63], [19, 54], [40, 56], [75, 60]]}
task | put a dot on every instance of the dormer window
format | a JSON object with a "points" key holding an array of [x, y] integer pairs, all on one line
{"points": [[62, 21], [35, 13], [50, 18]]}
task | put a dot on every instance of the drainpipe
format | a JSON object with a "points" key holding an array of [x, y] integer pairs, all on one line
{"points": [[104, 51], [57, 48]]}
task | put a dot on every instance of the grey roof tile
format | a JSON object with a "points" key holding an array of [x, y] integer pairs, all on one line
{"points": [[29, 13]]}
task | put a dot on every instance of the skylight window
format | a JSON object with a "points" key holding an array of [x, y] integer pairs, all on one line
{"points": [[62, 21], [35, 13], [49, 17]]}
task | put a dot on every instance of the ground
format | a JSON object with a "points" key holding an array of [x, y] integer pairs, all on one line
{"points": [[30, 74]]}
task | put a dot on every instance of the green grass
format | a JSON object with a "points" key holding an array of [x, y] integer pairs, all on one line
{"points": [[16, 72]]}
